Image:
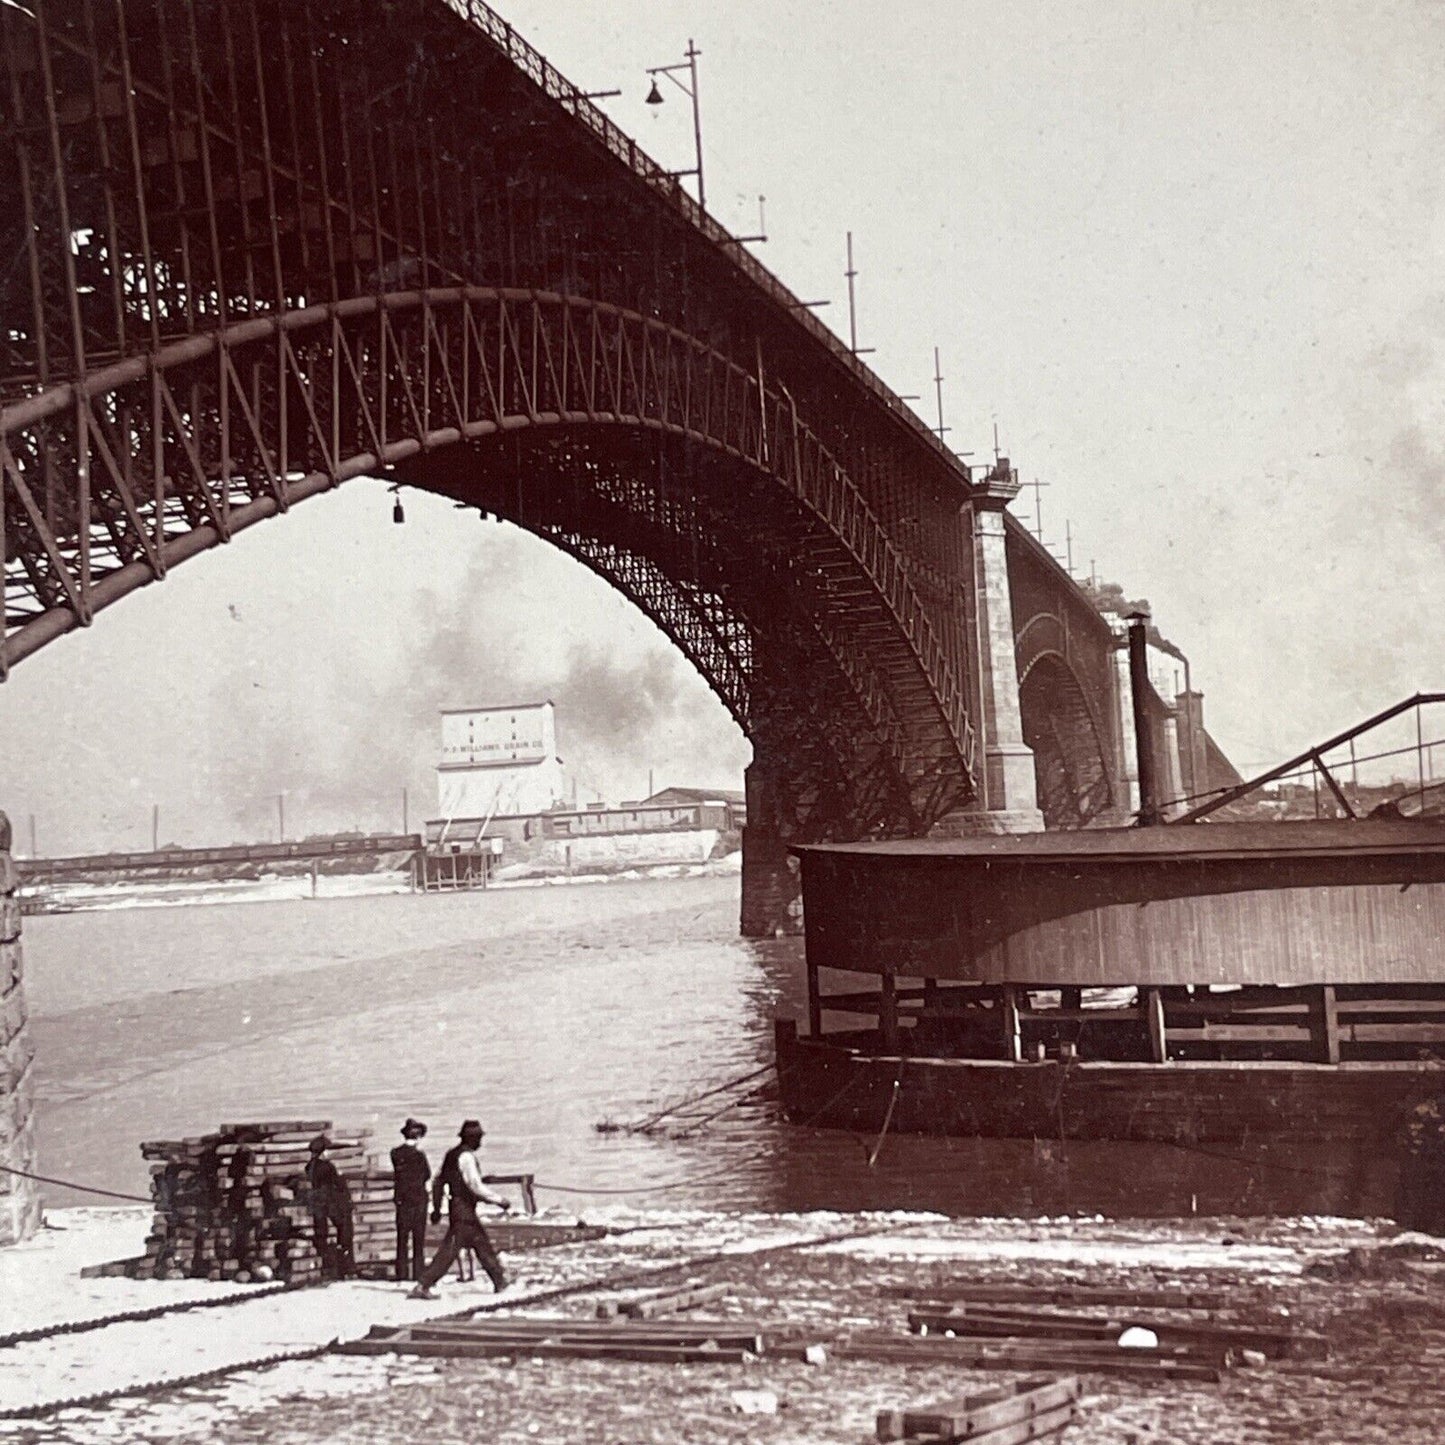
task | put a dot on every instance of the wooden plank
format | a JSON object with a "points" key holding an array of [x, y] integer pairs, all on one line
{"points": [[1242, 1034], [486, 1349], [987, 1292], [1400, 1033], [1158, 1038], [547, 1324], [1328, 1023], [1035, 1427], [970, 1416], [672, 1301], [1023, 1354], [888, 1013], [725, 1336], [816, 1004], [1079, 1015], [1000, 1319], [1013, 1041]]}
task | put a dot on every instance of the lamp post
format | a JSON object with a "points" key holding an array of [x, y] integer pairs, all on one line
{"points": [[689, 89]]}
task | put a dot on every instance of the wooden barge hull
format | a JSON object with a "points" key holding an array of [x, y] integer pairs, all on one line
{"points": [[1235, 1137], [835, 1086]]}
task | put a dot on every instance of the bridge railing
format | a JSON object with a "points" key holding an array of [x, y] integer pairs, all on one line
{"points": [[573, 100]]}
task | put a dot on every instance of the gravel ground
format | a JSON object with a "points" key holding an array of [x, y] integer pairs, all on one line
{"points": [[1382, 1310]]}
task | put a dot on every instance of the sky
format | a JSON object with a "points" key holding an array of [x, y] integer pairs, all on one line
{"points": [[1187, 257]]}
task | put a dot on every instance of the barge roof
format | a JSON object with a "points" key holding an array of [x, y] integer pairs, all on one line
{"points": [[1364, 837]]}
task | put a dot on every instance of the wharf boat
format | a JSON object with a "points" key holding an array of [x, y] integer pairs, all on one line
{"points": [[1267, 995]]}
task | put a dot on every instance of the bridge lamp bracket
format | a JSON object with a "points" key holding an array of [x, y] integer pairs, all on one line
{"points": [[690, 89]]}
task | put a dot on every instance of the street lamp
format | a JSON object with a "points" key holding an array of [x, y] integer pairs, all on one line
{"points": [[655, 97]]}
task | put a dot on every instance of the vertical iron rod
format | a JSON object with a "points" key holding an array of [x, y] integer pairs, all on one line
{"points": [[1420, 751], [692, 55], [850, 273]]}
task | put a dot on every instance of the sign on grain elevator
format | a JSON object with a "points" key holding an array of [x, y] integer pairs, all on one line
{"points": [[498, 761]]}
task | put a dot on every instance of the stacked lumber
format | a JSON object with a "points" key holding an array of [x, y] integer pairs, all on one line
{"points": [[1034, 1409], [235, 1204], [668, 1342], [373, 1220]]}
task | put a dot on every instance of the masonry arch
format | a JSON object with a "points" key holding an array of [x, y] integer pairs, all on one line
{"points": [[1071, 762]]}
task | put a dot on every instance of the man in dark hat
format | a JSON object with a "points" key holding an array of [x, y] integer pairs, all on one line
{"points": [[410, 1171], [461, 1176], [330, 1206]]}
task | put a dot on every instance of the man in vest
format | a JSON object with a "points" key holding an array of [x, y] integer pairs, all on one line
{"points": [[461, 1176], [410, 1171]]}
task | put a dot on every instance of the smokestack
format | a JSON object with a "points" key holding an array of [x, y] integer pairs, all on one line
{"points": [[1143, 731]]}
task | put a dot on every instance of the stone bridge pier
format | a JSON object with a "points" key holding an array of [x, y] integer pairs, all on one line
{"points": [[19, 1201]]}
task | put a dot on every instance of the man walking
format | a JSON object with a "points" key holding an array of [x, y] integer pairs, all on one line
{"points": [[410, 1172], [461, 1176], [330, 1205]]}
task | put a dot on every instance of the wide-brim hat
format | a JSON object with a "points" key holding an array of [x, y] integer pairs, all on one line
{"points": [[320, 1144], [413, 1129], [470, 1126]]}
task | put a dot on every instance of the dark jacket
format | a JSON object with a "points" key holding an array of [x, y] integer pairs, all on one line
{"points": [[327, 1185], [411, 1170]]}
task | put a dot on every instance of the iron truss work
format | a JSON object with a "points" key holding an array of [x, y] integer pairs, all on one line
{"points": [[258, 248], [174, 453]]}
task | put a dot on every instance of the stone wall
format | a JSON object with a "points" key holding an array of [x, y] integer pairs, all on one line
{"points": [[19, 1202]]}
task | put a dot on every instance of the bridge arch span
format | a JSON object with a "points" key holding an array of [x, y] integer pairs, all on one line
{"points": [[682, 476]]}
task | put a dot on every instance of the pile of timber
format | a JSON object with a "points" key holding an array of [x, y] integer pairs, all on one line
{"points": [[373, 1221], [1031, 1409], [236, 1204]]}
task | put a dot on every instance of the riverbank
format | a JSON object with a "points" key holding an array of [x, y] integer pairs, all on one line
{"points": [[1372, 1294], [288, 885]]}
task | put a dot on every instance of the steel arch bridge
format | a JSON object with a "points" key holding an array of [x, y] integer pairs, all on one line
{"points": [[257, 248]]}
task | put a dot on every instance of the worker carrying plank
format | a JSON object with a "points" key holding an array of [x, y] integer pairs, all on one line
{"points": [[330, 1207], [410, 1170], [461, 1177]]}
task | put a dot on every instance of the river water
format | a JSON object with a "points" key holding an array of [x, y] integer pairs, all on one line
{"points": [[542, 1011]]}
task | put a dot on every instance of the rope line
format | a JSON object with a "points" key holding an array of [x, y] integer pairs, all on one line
{"points": [[79, 1188], [647, 1123], [887, 1117]]}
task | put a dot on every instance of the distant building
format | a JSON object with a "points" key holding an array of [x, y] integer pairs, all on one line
{"points": [[734, 799], [498, 761]]}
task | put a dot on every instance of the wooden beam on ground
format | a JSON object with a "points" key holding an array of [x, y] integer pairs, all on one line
{"points": [[998, 1354], [986, 1292], [740, 1337], [486, 1349], [988, 1319], [976, 1414], [672, 1301]]}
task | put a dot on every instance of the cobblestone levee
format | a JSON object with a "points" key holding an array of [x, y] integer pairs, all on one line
{"points": [[1378, 1305]]}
